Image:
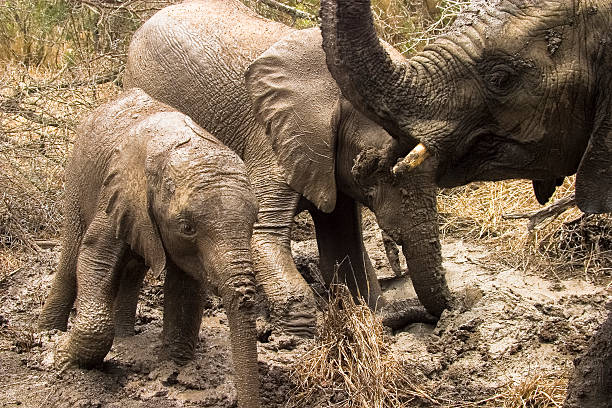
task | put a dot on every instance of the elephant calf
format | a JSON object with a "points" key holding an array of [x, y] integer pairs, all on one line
{"points": [[147, 187]]}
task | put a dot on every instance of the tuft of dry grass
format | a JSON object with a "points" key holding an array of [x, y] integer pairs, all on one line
{"points": [[534, 391], [561, 246], [582, 244], [351, 363]]}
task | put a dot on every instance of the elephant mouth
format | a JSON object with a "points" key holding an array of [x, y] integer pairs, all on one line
{"points": [[490, 157]]}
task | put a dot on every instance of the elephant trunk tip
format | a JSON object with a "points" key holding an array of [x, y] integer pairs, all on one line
{"points": [[412, 160]]}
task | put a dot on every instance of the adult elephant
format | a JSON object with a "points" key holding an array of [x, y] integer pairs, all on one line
{"points": [[264, 90], [516, 89]]}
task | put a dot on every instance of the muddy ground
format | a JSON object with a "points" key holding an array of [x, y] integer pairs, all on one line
{"points": [[510, 326]]}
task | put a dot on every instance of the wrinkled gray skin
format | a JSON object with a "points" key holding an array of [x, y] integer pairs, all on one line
{"points": [[264, 90], [147, 187], [516, 89]]}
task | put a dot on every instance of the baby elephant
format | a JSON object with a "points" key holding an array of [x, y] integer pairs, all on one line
{"points": [[147, 187]]}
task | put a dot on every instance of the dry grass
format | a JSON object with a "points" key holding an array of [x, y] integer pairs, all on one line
{"points": [[408, 25], [563, 246], [351, 364], [59, 59], [534, 391], [411, 25], [36, 133]]}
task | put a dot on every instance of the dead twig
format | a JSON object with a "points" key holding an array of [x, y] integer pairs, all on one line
{"points": [[292, 11], [9, 275], [46, 244], [539, 216]]}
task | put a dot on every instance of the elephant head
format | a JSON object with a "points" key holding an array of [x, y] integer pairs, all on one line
{"points": [[515, 89], [325, 148], [186, 199]]}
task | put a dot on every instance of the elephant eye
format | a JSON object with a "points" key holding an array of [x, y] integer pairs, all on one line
{"points": [[186, 228], [500, 80]]}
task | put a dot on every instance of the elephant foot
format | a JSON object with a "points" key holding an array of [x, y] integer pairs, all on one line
{"points": [[298, 324], [124, 325], [181, 355], [179, 348], [50, 324], [404, 312], [282, 341], [125, 320], [127, 331], [75, 352]]}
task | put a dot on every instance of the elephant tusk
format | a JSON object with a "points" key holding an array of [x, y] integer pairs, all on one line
{"points": [[412, 160]]}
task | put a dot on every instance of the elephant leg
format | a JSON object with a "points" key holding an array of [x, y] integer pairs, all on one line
{"points": [[60, 299], [99, 261], [132, 275], [183, 309], [291, 301], [342, 255]]}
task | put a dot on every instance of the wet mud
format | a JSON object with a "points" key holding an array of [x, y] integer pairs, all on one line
{"points": [[508, 325]]}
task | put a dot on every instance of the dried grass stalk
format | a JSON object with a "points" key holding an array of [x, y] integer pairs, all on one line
{"points": [[535, 391], [561, 246], [351, 363]]}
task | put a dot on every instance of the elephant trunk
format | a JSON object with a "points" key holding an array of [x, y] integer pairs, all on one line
{"points": [[422, 251], [238, 293], [410, 99], [368, 76], [416, 229]]}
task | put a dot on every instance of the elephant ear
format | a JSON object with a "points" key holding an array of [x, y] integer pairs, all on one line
{"points": [[129, 206], [594, 177], [295, 97]]}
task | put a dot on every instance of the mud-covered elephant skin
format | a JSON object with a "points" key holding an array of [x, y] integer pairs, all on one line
{"points": [[264, 90], [147, 187], [516, 89]]}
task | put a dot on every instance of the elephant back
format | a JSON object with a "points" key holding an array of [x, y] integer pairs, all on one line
{"points": [[193, 56], [98, 135]]}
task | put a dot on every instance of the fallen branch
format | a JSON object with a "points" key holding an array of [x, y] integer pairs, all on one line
{"points": [[46, 243], [37, 88], [9, 275], [537, 217], [292, 11], [11, 105]]}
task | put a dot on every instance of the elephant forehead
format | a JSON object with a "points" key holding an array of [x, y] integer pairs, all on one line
{"points": [[221, 203], [197, 164], [506, 24]]}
